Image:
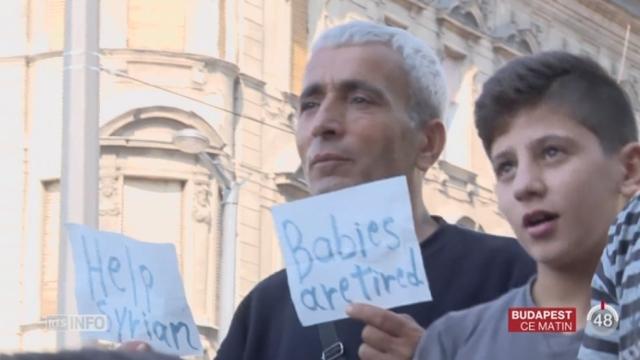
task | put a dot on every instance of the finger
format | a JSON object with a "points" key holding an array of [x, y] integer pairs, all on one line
{"points": [[143, 347], [135, 346], [393, 347], [377, 339], [408, 317], [366, 352], [411, 335], [384, 320]]}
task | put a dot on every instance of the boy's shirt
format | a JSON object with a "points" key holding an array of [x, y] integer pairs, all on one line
{"points": [[617, 283], [481, 332]]}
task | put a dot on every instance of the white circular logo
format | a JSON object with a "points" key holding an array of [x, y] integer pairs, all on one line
{"points": [[603, 319]]}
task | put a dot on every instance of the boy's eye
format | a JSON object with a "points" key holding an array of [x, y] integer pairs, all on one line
{"points": [[551, 152], [504, 168]]}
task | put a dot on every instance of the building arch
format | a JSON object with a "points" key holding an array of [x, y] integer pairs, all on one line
{"points": [[154, 127]]}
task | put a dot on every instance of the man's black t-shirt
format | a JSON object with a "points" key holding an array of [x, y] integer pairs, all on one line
{"points": [[464, 268]]}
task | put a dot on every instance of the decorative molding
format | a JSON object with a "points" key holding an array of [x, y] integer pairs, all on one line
{"points": [[380, 3], [172, 58], [458, 179], [292, 101], [198, 77], [414, 7], [465, 18], [453, 52], [360, 3], [202, 203], [277, 110], [110, 132], [109, 195], [454, 171], [512, 40], [452, 24], [507, 53], [488, 9], [393, 21], [251, 81]]}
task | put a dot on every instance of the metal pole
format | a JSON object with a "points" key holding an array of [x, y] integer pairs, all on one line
{"points": [[624, 53], [231, 191], [80, 143], [228, 258]]}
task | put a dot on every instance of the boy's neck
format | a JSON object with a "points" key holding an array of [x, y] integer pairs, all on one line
{"points": [[559, 288]]}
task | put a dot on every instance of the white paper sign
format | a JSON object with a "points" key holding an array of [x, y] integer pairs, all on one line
{"points": [[354, 245], [137, 286]]}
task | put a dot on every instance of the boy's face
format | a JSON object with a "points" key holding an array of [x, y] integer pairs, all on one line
{"points": [[557, 188]]}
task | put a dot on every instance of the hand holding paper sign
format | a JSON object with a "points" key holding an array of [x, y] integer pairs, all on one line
{"points": [[137, 286], [352, 245], [386, 335]]}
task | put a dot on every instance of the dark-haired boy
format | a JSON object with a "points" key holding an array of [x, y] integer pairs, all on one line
{"points": [[562, 138]]}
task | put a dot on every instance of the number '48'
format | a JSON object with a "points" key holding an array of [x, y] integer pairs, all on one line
{"points": [[603, 320]]}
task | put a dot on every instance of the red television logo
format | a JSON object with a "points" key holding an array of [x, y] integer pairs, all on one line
{"points": [[536, 319]]}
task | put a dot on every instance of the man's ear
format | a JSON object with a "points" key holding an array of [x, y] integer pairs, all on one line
{"points": [[432, 137], [630, 157]]}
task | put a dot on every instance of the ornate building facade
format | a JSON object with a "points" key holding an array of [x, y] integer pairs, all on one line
{"points": [[232, 69]]}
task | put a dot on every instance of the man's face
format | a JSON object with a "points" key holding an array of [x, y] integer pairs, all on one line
{"points": [[353, 124], [556, 186]]}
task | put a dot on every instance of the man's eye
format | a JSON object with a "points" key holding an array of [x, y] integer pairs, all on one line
{"points": [[360, 100], [307, 105]]}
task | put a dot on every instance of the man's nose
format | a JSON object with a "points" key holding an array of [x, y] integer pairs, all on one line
{"points": [[329, 119], [529, 183]]}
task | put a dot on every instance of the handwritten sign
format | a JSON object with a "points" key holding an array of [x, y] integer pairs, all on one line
{"points": [[352, 245], [137, 286]]}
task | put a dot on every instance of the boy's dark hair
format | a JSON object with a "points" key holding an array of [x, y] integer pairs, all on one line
{"points": [[574, 85]]}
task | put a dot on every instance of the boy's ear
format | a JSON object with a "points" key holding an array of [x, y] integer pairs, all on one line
{"points": [[630, 156], [431, 142]]}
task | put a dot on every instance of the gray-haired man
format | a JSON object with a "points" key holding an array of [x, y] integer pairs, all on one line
{"points": [[370, 109]]}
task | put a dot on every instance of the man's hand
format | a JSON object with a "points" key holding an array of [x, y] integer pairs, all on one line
{"points": [[387, 335]]}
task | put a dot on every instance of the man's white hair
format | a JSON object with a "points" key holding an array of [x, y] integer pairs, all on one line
{"points": [[428, 89]]}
